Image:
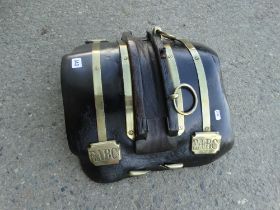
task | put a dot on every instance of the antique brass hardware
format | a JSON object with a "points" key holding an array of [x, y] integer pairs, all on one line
{"points": [[104, 152], [127, 90], [98, 92], [202, 84], [173, 166], [158, 30], [175, 95], [205, 142], [137, 173], [174, 74]]}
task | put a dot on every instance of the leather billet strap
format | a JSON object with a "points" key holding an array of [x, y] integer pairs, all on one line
{"points": [[168, 83], [204, 96], [127, 85], [207, 141], [148, 97], [141, 127], [103, 152], [175, 78]]}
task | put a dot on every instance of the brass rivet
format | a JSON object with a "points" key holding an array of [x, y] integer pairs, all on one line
{"points": [[131, 132], [174, 96], [196, 58]]}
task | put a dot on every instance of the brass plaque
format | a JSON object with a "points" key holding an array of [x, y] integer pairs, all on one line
{"points": [[104, 153], [206, 142]]}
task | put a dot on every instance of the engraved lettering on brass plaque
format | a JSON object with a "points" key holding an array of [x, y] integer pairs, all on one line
{"points": [[104, 153], [206, 142]]}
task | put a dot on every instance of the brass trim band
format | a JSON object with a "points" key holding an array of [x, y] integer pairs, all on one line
{"points": [[98, 92], [127, 85], [205, 142], [174, 74], [102, 152], [202, 85]]}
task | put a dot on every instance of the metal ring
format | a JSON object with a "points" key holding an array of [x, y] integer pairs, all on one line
{"points": [[158, 30], [191, 89]]}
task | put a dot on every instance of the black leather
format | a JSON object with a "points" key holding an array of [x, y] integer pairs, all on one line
{"points": [[80, 116], [137, 78], [147, 82], [172, 119]]}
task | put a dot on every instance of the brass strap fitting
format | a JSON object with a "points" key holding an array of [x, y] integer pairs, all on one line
{"points": [[104, 152], [157, 30], [202, 84], [128, 95], [174, 74], [205, 142], [174, 96], [98, 92]]}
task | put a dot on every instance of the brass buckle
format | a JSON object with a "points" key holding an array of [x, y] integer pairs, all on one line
{"points": [[206, 142], [175, 95]]}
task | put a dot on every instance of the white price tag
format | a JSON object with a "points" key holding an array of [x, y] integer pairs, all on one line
{"points": [[218, 115], [76, 63]]}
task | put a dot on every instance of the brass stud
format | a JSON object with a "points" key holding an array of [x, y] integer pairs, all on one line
{"points": [[206, 129], [131, 132]]}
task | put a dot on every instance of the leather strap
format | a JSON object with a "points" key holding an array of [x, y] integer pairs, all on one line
{"points": [[204, 97], [137, 86], [160, 51], [148, 83], [174, 74]]}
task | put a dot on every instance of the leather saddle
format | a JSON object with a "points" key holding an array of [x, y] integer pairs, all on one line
{"points": [[144, 104]]}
